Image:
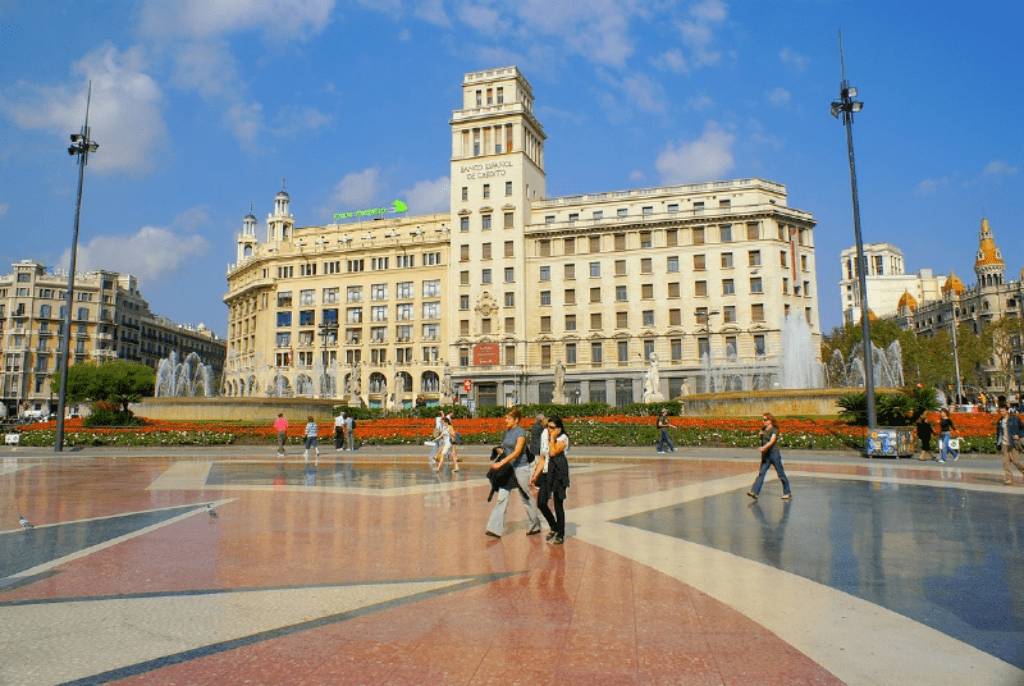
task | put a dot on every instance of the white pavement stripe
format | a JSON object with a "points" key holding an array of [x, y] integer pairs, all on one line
{"points": [[93, 637], [860, 642], [183, 476]]}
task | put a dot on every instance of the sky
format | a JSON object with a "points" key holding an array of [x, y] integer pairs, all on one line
{"points": [[203, 108]]}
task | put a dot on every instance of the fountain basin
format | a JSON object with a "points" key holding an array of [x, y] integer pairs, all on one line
{"points": [[780, 402]]}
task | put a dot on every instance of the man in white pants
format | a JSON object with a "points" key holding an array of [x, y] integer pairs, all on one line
{"points": [[436, 438]]}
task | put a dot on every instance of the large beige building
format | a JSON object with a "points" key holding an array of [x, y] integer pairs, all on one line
{"points": [[513, 296], [887, 281], [110, 320]]}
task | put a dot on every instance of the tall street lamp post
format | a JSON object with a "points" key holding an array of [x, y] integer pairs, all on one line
{"points": [[81, 146], [847, 106]]}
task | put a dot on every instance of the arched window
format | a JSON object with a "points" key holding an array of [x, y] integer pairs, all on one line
{"points": [[429, 382], [378, 383]]}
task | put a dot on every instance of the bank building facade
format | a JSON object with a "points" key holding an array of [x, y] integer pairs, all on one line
{"points": [[516, 297]]}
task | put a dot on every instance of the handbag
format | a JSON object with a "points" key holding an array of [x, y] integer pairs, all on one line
{"points": [[954, 444]]}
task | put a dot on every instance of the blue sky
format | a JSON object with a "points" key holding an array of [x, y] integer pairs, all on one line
{"points": [[202, 107]]}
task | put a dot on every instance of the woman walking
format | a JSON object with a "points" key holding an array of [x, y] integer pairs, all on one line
{"points": [[512, 451], [551, 477], [946, 429], [311, 438], [447, 444], [770, 456]]}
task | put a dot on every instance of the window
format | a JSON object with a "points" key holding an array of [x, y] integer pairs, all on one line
{"points": [[485, 325], [596, 357], [487, 190], [378, 334], [545, 273], [508, 184], [307, 317], [803, 263], [545, 297], [595, 269], [307, 269], [727, 260], [510, 324], [672, 263], [432, 310], [378, 263], [330, 296], [595, 294], [570, 272], [622, 320], [753, 231], [405, 261], [510, 300], [757, 312], [595, 320], [783, 258], [648, 317], [283, 319], [570, 353], [595, 243], [623, 352], [755, 285], [622, 212], [431, 288], [570, 296], [485, 251], [464, 278], [569, 246], [754, 258], [785, 286], [574, 216], [485, 222], [44, 311], [403, 332], [354, 265], [598, 214], [545, 324], [510, 249], [284, 339], [646, 265], [404, 312], [463, 253], [645, 236], [463, 302], [698, 234], [759, 348], [673, 289], [545, 248], [510, 274], [549, 219], [284, 299], [699, 263], [729, 314], [463, 224], [509, 219], [620, 242], [485, 276], [378, 292], [700, 288], [330, 316], [570, 322], [728, 287], [354, 315], [620, 294], [725, 231], [465, 193], [647, 291], [675, 317]]}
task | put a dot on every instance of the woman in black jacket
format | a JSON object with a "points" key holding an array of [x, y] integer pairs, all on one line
{"points": [[551, 477]]}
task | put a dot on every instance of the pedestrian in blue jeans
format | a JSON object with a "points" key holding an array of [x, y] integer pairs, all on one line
{"points": [[770, 456], [664, 443], [946, 429]]}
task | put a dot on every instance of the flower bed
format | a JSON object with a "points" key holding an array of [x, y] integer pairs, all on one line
{"points": [[976, 429]]}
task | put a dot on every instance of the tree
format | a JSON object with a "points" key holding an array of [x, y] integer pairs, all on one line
{"points": [[117, 381], [1005, 342]]}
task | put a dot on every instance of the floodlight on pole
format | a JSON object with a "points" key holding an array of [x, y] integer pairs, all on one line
{"points": [[847, 106], [81, 146]]}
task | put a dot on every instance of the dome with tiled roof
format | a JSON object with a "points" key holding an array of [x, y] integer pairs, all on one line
{"points": [[906, 300], [988, 253], [953, 283]]}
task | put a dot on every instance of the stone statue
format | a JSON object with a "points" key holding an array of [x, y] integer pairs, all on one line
{"points": [[446, 382], [357, 379], [652, 382], [396, 399], [558, 394]]}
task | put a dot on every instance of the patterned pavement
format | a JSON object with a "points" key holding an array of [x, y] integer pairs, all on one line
{"points": [[369, 568]]}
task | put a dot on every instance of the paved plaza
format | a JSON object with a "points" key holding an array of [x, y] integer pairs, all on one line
{"points": [[369, 568]]}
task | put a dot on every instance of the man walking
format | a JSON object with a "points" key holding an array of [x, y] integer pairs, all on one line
{"points": [[350, 431], [281, 426], [339, 431], [437, 437], [663, 440], [1008, 433]]}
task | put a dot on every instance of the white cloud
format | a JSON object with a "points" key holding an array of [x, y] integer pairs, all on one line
{"points": [[647, 93], [358, 188], [428, 197], [793, 58], [479, 17], [931, 186], [290, 19], [244, 122], [704, 159], [293, 120], [637, 176], [5, 207], [151, 253], [700, 102], [779, 97], [759, 139], [432, 11], [999, 168], [125, 116], [673, 61], [698, 34], [709, 11]]}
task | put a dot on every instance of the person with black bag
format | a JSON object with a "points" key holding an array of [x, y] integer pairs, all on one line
{"points": [[551, 477], [1008, 438], [514, 454]]}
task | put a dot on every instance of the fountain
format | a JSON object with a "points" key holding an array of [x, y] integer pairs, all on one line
{"points": [[887, 365], [183, 379]]}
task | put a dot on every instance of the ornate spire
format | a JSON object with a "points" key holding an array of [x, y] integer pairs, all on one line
{"points": [[989, 265]]}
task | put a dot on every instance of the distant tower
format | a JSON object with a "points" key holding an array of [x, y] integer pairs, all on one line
{"points": [[989, 266], [247, 239], [280, 223]]}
